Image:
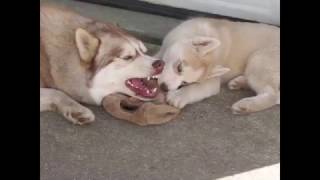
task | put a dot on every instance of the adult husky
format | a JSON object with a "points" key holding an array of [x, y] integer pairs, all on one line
{"points": [[82, 60]]}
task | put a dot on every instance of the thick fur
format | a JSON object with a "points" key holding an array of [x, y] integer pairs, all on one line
{"points": [[82, 61], [202, 53]]}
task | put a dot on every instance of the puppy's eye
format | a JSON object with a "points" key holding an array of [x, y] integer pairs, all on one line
{"points": [[179, 68], [129, 57]]}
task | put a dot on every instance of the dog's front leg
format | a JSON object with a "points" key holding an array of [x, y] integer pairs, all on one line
{"points": [[55, 100], [193, 93]]}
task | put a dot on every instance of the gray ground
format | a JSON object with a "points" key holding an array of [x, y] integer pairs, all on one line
{"points": [[204, 143]]}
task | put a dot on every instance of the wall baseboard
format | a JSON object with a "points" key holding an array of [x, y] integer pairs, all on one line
{"points": [[162, 10]]}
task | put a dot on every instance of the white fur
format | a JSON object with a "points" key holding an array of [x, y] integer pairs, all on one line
{"points": [[111, 79], [248, 54]]}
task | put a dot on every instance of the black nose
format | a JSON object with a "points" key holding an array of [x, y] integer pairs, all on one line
{"points": [[158, 65], [164, 87]]}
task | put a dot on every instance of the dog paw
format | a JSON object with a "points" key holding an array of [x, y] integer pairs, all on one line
{"points": [[237, 83], [233, 85], [242, 107], [177, 99], [78, 115]]}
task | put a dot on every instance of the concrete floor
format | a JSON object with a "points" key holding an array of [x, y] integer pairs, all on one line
{"points": [[206, 142]]}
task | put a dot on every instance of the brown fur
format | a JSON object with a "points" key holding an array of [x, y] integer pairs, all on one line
{"points": [[73, 50], [57, 39], [46, 79], [58, 51]]}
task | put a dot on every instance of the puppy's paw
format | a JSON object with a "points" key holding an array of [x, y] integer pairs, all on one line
{"points": [[233, 85], [78, 114], [178, 98], [237, 83], [243, 106]]}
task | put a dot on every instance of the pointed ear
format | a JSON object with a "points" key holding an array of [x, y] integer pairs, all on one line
{"points": [[87, 44], [218, 71], [203, 44]]}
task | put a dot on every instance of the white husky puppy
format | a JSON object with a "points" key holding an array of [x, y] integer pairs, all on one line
{"points": [[202, 53]]}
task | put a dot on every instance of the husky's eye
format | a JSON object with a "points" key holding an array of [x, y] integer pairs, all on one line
{"points": [[179, 68], [129, 57]]}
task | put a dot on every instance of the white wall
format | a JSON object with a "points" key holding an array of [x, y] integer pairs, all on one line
{"points": [[267, 11]]}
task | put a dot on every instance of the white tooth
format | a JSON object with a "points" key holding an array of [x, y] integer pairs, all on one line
{"points": [[148, 78], [154, 90]]}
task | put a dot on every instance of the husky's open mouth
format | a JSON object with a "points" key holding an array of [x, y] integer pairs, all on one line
{"points": [[144, 87], [147, 87]]}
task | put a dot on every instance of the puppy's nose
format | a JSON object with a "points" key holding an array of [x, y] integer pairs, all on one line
{"points": [[158, 65], [164, 87]]}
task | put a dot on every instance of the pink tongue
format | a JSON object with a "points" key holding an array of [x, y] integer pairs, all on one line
{"points": [[138, 83], [141, 89]]}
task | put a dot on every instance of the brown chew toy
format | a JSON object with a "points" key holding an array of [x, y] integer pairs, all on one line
{"points": [[139, 112]]}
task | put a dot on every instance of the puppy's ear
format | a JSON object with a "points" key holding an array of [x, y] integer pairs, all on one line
{"points": [[203, 44], [87, 45], [218, 71]]}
